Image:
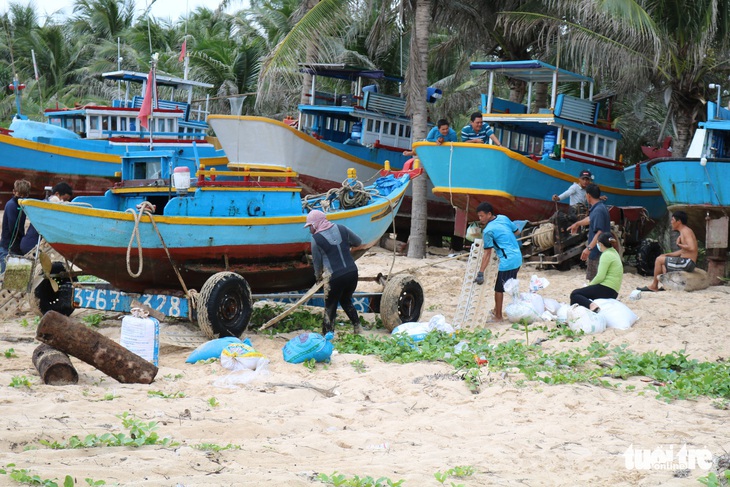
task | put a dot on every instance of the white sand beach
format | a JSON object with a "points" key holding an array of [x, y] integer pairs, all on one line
{"points": [[400, 421]]}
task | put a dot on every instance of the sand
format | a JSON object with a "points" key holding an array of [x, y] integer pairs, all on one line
{"points": [[403, 422]]}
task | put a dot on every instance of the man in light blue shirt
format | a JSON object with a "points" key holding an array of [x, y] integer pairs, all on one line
{"points": [[477, 132], [441, 133], [500, 233]]}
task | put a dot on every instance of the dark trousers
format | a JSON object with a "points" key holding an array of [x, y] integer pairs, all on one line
{"points": [[339, 291], [585, 295]]}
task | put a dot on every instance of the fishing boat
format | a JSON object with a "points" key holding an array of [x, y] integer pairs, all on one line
{"points": [[83, 145], [334, 132], [245, 220], [543, 151], [698, 182]]}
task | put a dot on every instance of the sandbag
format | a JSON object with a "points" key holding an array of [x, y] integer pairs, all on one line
{"points": [[239, 356], [418, 331], [521, 310], [212, 349], [534, 300], [308, 346], [616, 314], [561, 315], [580, 318], [551, 305]]}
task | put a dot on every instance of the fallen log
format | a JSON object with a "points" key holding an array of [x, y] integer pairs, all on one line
{"points": [[95, 349], [54, 366]]}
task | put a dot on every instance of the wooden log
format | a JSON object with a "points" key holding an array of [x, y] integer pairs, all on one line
{"points": [[95, 349], [54, 366]]}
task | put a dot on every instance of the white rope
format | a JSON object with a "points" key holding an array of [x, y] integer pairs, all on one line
{"points": [[451, 157]]}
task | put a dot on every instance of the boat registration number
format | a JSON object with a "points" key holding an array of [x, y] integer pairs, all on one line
{"points": [[111, 300]]}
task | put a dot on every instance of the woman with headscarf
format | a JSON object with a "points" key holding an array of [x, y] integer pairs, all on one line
{"points": [[332, 259]]}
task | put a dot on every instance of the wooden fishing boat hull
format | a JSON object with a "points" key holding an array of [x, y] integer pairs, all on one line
{"points": [[269, 251], [320, 163], [517, 186]]}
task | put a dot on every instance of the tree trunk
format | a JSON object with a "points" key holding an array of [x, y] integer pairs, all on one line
{"points": [[54, 366], [517, 90], [311, 57], [541, 97], [685, 130], [95, 349], [417, 84]]}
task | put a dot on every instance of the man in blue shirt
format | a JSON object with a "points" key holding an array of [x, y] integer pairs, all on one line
{"points": [[477, 132], [500, 233], [441, 133], [598, 221]]}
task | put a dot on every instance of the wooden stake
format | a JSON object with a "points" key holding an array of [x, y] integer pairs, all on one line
{"points": [[286, 313], [54, 366], [95, 349]]}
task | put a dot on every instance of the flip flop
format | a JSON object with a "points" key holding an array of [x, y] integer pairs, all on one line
{"points": [[647, 289]]}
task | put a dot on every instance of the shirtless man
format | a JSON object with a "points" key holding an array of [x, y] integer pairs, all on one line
{"points": [[683, 259]]}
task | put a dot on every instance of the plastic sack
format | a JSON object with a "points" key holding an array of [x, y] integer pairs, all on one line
{"points": [[239, 356], [580, 318], [551, 305], [213, 349], [438, 323], [140, 334], [521, 310], [473, 232], [512, 287], [534, 300], [308, 346], [561, 316], [537, 283], [418, 331], [616, 314]]}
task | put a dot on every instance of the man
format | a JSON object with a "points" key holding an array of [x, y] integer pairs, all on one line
{"points": [[331, 252], [61, 193], [477, 132], [577, 193], [441, 133], [684, 259], [13, 228], [598, 222], [499, 233]]}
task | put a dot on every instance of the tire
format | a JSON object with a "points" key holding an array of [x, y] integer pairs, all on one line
{"points": [[648, 252], [224, 305], [401, 302], [42, 298]]}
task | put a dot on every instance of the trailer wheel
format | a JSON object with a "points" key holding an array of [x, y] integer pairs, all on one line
{"points": [[224, 305], [42, 298], [401, 302]]}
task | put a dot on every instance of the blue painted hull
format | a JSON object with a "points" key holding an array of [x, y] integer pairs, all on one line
{"points": [[519, 187], [698, 190], [269, 251]]}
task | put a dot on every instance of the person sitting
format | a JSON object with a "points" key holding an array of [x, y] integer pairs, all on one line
{"points": [[478, 132], [684, 259], [13, 227], [441, 133], [61, 193], [607, 282]]}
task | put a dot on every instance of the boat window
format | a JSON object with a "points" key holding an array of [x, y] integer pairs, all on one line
{"points": [[370, 125], [113, 123], [610, 148], [535, 145], [582, 145], [408, 131], [601, 149], [514, 140], [400, 130], [343, 126], [386, 127], [523, 143], [123, 124], [393, 128], [591, 143], [573, 139], [377, 126]]}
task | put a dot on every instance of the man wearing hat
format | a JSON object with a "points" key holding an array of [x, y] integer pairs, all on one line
{"points": [[332, 260], [577, 194]]}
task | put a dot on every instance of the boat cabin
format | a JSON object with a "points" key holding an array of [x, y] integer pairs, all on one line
{"points": [[570, 127], [365, 118], [170, 119], [712, 138]]}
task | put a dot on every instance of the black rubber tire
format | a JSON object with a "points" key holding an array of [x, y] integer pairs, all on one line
{"points": [[224, 305], [401, 302], [42, 298]]}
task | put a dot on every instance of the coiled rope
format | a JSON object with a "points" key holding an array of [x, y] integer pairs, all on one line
{"points": [[350, 195]]}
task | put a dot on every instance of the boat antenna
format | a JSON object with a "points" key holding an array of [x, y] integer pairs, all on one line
{"points": [[149, 31], [16, 80], [119, 67]]}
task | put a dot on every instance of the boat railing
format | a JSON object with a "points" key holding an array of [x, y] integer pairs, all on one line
{"points": [[145, 134], [246, 176]]}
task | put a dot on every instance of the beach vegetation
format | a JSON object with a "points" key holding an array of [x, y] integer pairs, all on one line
{"points": [[20, 381], [214, 447], [712, 479], [34, 321], [340, 480], [310, 364], [164, 395], [23, 476], [213, 402], [93, 320], [10, 353], [359, 366]]}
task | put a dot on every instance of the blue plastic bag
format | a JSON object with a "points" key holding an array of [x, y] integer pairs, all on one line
{"points": [[213, 349], [308, 346]]}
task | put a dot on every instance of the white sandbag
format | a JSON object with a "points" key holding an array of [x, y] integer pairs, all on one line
{"points": [[537, 283], [417, 331], [438, 322], [512, 288], [547, 316], [561, 315], [580, 318], [521, 310], [551, 305], [534, 300], [616, 314]]}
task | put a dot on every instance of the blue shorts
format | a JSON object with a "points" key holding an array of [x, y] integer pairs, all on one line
{"points": [[502, 277]]}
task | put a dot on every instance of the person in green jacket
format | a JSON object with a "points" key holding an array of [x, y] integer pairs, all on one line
{"points": [[607, 282]]}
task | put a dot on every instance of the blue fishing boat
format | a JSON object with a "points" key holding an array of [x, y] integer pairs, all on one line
{"points": [[334, 132], [698, 182], [542, 153], [83, 145]]}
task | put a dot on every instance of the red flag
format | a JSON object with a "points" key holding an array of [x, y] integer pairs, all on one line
{"points": [[146, 109], [183, 51]]}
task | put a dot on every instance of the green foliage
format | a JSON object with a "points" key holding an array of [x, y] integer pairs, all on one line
{"points": [[164, 395], [93, 320], [10, 353], [214, 447], [23, 476], [140, 433], [173, 378], [310, 364], [213, 402], [712, 480], [338, 480], [298, 320], [359, 366], [25, 323], [20, 381]]}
